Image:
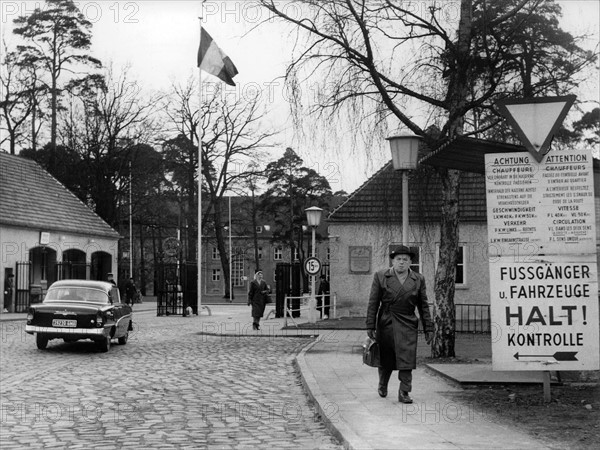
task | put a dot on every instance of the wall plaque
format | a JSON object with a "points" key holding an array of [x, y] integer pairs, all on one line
{"points": [[360, 259]]}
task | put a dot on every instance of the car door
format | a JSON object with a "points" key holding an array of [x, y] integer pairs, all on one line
{"points": [[118, 312]]}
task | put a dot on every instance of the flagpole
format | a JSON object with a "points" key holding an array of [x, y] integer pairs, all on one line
{"points": [[200, 137]]}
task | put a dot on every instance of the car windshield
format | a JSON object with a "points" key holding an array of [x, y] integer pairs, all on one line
{"points": [[76, 294]]}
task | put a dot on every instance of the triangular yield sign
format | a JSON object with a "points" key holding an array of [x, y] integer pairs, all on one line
{"points": [[535, 120]]}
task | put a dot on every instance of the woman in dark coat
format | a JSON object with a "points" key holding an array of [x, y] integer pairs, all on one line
{"points": [[395, 294], [258, 296]]}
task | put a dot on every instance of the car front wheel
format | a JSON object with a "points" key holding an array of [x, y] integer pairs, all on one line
{"points": [[41, 341], [104, 344]]}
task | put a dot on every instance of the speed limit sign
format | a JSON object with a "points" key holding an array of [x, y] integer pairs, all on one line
{"points": [[312, 266]]}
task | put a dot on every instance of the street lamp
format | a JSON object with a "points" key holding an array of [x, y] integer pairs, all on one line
{"points": [[313, 217], [405, 150]]}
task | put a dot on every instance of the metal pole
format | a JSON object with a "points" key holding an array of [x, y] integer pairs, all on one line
{"points": [[312, 281], [130, 227], [230, 257], [405, 207]]}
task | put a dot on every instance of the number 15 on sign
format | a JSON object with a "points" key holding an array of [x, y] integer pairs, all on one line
{"points": [[312, 266]]}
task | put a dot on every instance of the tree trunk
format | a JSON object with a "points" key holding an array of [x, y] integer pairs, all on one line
{"points": [[443, 309], [142, 262], [33, 117], [254, 233], [444, 315], [221, 248]]}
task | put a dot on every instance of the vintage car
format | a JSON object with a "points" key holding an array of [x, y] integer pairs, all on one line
{"points": [[80, 309]]}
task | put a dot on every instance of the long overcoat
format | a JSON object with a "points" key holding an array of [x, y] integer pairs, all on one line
{"points": [[257, 297], [391, 312]]}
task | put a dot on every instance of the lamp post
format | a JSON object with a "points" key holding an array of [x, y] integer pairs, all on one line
{"points": [[405, 150], [313, 217]]}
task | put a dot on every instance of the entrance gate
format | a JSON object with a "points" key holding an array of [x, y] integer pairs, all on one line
{"points": [[176, 289], [22, 286], [288, 283]]}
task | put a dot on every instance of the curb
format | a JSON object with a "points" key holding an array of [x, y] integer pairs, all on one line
{"points": [[339, 428]]}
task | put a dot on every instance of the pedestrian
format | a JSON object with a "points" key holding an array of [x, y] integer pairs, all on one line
{"points": [[323, 297], [9, 287], [395, 294], [130, 291], [111, 279], [258, 297]]}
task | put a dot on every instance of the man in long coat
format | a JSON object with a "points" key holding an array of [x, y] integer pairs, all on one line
{"points": [[395, 295]]}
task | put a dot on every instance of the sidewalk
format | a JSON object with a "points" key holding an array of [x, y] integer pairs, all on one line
{"points": [[344, 390]]}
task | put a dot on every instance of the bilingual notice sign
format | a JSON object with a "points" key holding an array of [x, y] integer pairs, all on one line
{"points": [[543, 271]]}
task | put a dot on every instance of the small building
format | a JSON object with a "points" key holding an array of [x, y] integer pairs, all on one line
{"points": [[47, 233]]}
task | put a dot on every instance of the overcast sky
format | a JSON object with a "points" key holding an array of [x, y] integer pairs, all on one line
{"points": [[159, 40]]}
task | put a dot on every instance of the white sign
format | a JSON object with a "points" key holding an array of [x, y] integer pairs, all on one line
{"points": [[545, 208], [545, 314], [543, 271], [312, 265], [536, 120]]}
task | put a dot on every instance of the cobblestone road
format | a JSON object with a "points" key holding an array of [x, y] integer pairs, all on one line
{"points": [[169, 387]]}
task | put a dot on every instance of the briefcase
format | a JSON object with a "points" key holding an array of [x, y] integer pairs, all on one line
{"points": [[371, 353]]}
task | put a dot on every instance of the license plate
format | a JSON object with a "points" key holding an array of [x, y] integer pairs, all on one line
{"points": [[64, 323]]}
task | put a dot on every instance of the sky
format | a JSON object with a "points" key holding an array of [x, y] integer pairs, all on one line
{"points": [[159, 41]]}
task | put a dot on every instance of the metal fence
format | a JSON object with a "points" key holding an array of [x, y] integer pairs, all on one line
{"points": [[293, 306], [472, 318]]}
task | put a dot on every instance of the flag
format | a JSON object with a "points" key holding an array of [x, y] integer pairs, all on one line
{"points": [[212, 60]]}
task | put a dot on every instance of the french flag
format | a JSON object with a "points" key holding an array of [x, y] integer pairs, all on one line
{"points": [[212, 60]]}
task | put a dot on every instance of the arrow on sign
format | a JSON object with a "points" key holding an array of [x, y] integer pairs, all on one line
{"points": [[536, 120], [559, 356]]}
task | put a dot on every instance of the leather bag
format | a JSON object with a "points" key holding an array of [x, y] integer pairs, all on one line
{"points": [[371, 353]]}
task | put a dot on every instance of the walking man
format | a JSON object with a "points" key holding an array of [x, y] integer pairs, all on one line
{"points": [[396, 293]]}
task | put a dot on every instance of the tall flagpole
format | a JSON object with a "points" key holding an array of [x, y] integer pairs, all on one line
{"points": [[200, 137], [130, 226]]}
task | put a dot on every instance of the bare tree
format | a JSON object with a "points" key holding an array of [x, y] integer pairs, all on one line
{"points": [[15, 105], [105, 116], [386, 59], [232, 140]]}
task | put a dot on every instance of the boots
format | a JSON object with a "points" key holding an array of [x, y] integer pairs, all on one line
{"points": [[384, 378], [403, 397]]}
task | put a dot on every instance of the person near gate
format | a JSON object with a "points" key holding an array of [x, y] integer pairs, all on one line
{"points": [[396, 293], [323, 297], [258, 297], [130, 291], [9, 287]]}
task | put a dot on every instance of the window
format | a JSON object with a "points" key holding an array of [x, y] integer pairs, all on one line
{"points": [[215, 253], [260, 253], [237, 271], [216, 274], [416, 261], [259, 229], [328, 255], [278, 254], [461, 274], [295, 254], [460, 266]]}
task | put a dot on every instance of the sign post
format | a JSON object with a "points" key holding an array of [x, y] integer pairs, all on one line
{"points": [[543, 271], [542, 247]]}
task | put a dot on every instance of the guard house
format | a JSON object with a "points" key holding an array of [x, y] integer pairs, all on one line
{"points": [[364, 228], [47, 233]]}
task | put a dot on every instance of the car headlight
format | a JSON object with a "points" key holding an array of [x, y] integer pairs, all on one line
{"points": [[30, 314]]}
